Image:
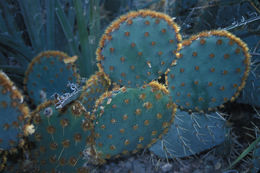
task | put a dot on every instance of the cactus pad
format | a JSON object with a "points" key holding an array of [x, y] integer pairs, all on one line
{"points": [[212, 69], [13, 113], [94, 87], [48, 73], [129, 119], [60, 137], [191, 134], [138, 47]]}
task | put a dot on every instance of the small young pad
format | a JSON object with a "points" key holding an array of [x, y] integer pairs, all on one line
{"points": [[47, 74]]}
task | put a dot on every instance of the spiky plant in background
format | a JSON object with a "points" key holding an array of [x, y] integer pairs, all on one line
{"points": [[71, 26], [152, 46]]}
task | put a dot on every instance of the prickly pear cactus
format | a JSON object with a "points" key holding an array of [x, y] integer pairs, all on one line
{"points": [[212, 69], [138, 47], [60, 137], [13, 114], [191, 134], [49, 73], [94, 87], [130, 119]]}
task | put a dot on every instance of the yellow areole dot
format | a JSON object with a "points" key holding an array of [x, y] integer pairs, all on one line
{"points": [[125, 117], [126, 101], [122, 130], [110, 136], [135, 127], [165, 124], [148, 105], [138, 111], [112, 147], [141, 138], [159, 116], [142, 96], [154, 132], [146, 122], [158, 96], [127, 142], [113, 121]]}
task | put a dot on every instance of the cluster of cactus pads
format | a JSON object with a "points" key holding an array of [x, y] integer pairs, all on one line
{"points": [[92, 123]]}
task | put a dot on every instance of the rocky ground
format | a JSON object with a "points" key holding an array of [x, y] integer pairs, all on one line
{"points": [[148, 163]]}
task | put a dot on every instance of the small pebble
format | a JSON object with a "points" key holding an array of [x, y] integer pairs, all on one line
{"points": [[217, 165]]}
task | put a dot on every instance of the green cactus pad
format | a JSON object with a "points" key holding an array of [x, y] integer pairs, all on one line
{"points": [[13, 114], [94, 87], [212, 69], [191, 134], [128, 120], [49, 73], [138, 47], [60, 137]]}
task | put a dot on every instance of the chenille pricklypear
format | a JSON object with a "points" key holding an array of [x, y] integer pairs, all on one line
{"points": [[60, 137], [129, 119], [49, 73], [138, 47], [212, 68], [14, 114]]}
